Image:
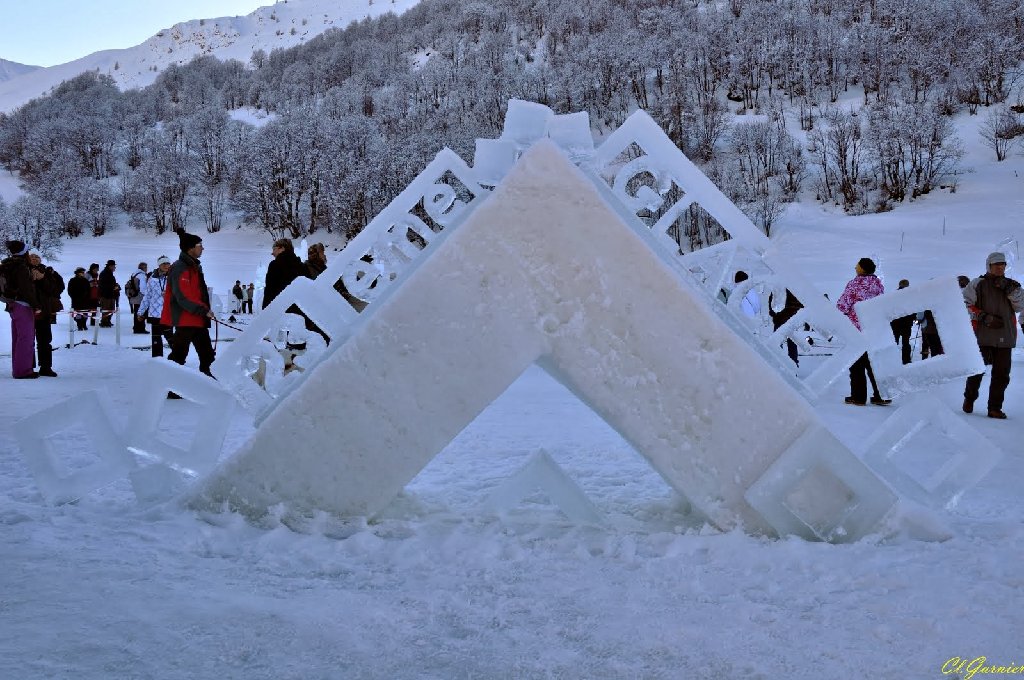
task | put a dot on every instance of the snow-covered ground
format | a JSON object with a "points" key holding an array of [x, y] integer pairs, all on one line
{"points": [[434, 589]]}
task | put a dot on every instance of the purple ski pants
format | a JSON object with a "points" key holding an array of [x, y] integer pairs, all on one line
{"points": [[23, 339]]}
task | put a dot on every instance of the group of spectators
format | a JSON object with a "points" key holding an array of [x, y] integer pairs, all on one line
{"points": [[173, 299], [993, 302]]}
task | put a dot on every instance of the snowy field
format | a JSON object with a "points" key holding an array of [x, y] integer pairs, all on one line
{"points": [[434, 589]]}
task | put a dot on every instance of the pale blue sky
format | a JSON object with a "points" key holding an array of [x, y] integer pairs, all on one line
{"points": [[48, 32]]}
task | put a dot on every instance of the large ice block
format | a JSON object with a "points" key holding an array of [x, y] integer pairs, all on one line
{"points": [[544, 268], [87, 411], [525, 122], [493, 159], [203, 446], [929, 454], [819, 490], [961, 356]]}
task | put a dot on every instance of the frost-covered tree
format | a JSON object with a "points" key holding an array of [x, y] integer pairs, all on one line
{"points": [[158, 191], [1001, 129], [206, 139], [31, 219], [838, 146], [278, 183]]}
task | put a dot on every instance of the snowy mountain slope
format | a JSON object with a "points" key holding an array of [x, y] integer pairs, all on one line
{"points": [[284, 24], [12, 69]]}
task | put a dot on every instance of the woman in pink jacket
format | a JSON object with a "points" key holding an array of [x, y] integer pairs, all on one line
{"points": [[864, 286]]}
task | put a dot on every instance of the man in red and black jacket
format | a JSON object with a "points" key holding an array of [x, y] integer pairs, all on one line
{"points": [[187, 304]]}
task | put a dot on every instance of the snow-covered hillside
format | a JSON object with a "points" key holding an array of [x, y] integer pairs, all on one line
{"points": [[283, 24], [12, 69]]}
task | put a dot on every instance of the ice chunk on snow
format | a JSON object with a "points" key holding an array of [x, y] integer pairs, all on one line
{"points": [[205, 444], [819, 490], [88, 411], [156, 483], [945, 300], [541, 472], [930, 454]]}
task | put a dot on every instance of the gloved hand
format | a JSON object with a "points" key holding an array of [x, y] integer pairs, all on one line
{"points": [[991, 320]]}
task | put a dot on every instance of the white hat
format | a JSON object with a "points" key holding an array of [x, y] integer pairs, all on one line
{"points": [[163, 259], [34, 251]]}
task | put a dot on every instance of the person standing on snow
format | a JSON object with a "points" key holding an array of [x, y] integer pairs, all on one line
{"points": [[78, 291], [152, 305], [140, 277], [283, 269], [110, 290], [902, 328], [21, 301], [187, 305], [997, 300], [49, 285], [862, 287]]}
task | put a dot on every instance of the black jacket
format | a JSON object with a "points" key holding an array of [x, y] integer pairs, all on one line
{"points": [[20, 278], [108, 284], [48, 290], [78, 290], [284, 269]]}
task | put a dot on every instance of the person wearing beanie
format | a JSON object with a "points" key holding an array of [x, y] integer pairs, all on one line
{"points": [[996, 301], [21, 303], [187, 306], [151, 306], [864, 286]]}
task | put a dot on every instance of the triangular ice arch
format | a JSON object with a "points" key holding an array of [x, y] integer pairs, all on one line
{"points": [[543, 269]]}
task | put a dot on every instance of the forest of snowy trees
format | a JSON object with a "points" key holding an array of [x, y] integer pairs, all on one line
{"points": [[355, 114]]}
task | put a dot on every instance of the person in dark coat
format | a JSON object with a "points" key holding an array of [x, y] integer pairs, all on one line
{"points": [[316, 260], [94, 290], [22, 307], [285, 268], [997, 300], [110, 289], [78, 291], [49, 285], [187, 306], [902, 329], [788, 311], [239, 294]]}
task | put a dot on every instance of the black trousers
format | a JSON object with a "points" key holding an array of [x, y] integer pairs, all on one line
{"points": [[138, 325], [931, 345], [198, 337], [903, 340], [860, 373], [44, 336], [159, 332], [999, 359]]}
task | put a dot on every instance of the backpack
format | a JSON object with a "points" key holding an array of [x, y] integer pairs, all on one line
{"points": [[131, 287], [8, 286]]}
